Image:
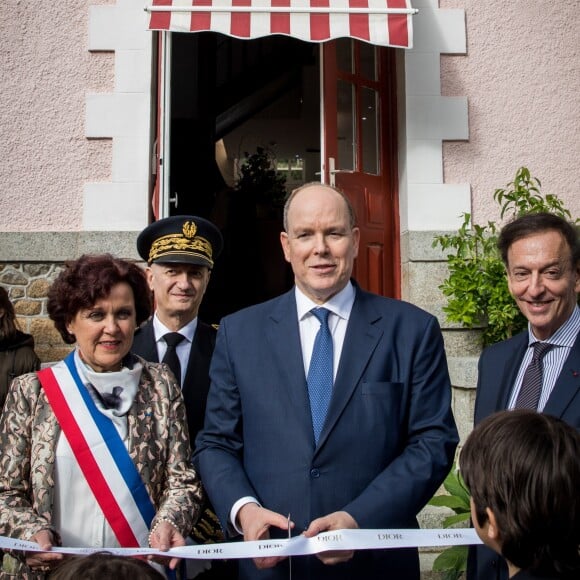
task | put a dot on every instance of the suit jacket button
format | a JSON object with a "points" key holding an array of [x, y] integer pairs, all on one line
{"points": [[314, 472]]}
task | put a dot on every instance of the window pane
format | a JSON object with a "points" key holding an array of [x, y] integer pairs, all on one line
{"points": [[345, 124], [369, 124], [368, 61]]}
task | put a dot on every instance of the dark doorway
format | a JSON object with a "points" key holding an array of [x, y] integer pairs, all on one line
{"points": [[232, 100]]}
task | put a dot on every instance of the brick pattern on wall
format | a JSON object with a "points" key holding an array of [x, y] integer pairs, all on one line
{"points": [[27, 285]]}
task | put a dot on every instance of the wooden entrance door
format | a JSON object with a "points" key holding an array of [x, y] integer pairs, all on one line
{"points": [[360, 153]]}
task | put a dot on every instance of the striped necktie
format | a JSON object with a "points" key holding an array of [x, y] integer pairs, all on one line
{"points": [[529, 395]]}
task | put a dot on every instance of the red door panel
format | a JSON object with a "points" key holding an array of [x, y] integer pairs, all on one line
{"points": [[360, 153]]}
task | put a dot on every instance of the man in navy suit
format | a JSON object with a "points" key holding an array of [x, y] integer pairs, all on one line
{"points": [[388, 437], [541, 253]]}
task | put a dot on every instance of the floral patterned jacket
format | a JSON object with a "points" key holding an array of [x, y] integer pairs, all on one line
{"points": [[158, 443]]}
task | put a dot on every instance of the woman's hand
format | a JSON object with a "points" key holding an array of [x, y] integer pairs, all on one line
{"points": [[43, 561], [164, 536]]}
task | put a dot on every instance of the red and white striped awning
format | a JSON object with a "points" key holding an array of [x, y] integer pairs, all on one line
{"points": [[381, 22]]}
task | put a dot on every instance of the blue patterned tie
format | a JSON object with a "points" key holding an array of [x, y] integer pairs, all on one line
{"points": [[320, 376]]}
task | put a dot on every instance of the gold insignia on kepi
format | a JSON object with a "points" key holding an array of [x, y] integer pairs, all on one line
{"points": [[180, 239], [176, 244], [189, 229]]}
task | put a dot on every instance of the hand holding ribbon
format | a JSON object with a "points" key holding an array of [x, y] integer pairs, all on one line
{"points": [[164, 536], [334, 521], [255, 521], [43, 561]]}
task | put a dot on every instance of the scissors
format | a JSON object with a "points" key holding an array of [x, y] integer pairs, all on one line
{"points": [[289, 557]]}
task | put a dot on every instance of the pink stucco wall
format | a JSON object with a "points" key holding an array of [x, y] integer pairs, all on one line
{"points": [[520, 75], [522, 79], [46, 72]]}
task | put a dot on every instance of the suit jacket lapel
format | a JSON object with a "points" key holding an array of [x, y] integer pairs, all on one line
{"points": [[567, 384], [360, 342], [200, 352], [283, 335], [508, 370], [145, 342], [42, 461], [196, 383], [140, 422]]}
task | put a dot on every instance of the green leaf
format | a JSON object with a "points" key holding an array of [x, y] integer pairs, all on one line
{"points": [[453, 558], [454, 485], [449, 501]]}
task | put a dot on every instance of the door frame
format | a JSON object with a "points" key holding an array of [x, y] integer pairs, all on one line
{"points": [[388, 162], [388, 134]]}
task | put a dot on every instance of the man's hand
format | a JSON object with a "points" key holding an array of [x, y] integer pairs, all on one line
{"points": [[255, 522], [333, 521], [163, 537], [43, 561]]}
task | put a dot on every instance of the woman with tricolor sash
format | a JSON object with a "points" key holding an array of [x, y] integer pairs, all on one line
{"points": [[94, 451]]}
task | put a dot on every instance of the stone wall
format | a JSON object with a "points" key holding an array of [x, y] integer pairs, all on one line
{"points": [[30, 262], [27, 286], [423, 270]]}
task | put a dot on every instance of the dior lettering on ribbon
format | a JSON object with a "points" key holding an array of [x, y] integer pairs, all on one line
{"points": [[296, 546]]}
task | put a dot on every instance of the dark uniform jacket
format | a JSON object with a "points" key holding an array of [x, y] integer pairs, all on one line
{"points": [[196, 383], [195, 389]]}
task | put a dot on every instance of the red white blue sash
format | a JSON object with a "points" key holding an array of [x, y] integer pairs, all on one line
{"points": [[100, 453]]}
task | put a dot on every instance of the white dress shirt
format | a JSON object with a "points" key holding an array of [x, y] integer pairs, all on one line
{"points": [[553, 363], [340, 307]]}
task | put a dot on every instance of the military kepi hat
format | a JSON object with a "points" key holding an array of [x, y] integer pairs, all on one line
{"points": [[180, 239]]}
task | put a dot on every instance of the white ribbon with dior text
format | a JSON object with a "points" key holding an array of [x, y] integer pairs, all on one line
{"points": [[296, 546]]}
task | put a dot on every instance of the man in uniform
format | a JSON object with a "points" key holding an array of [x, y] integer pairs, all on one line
{"points": [[180, 253]]}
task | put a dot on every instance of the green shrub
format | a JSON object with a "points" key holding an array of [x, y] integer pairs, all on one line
{"points": [[476, 288], [453, 560]]}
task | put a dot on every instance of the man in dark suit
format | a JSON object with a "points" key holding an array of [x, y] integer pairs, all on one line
{"points": [[180, 253], [376, 449], [541, 254]]}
